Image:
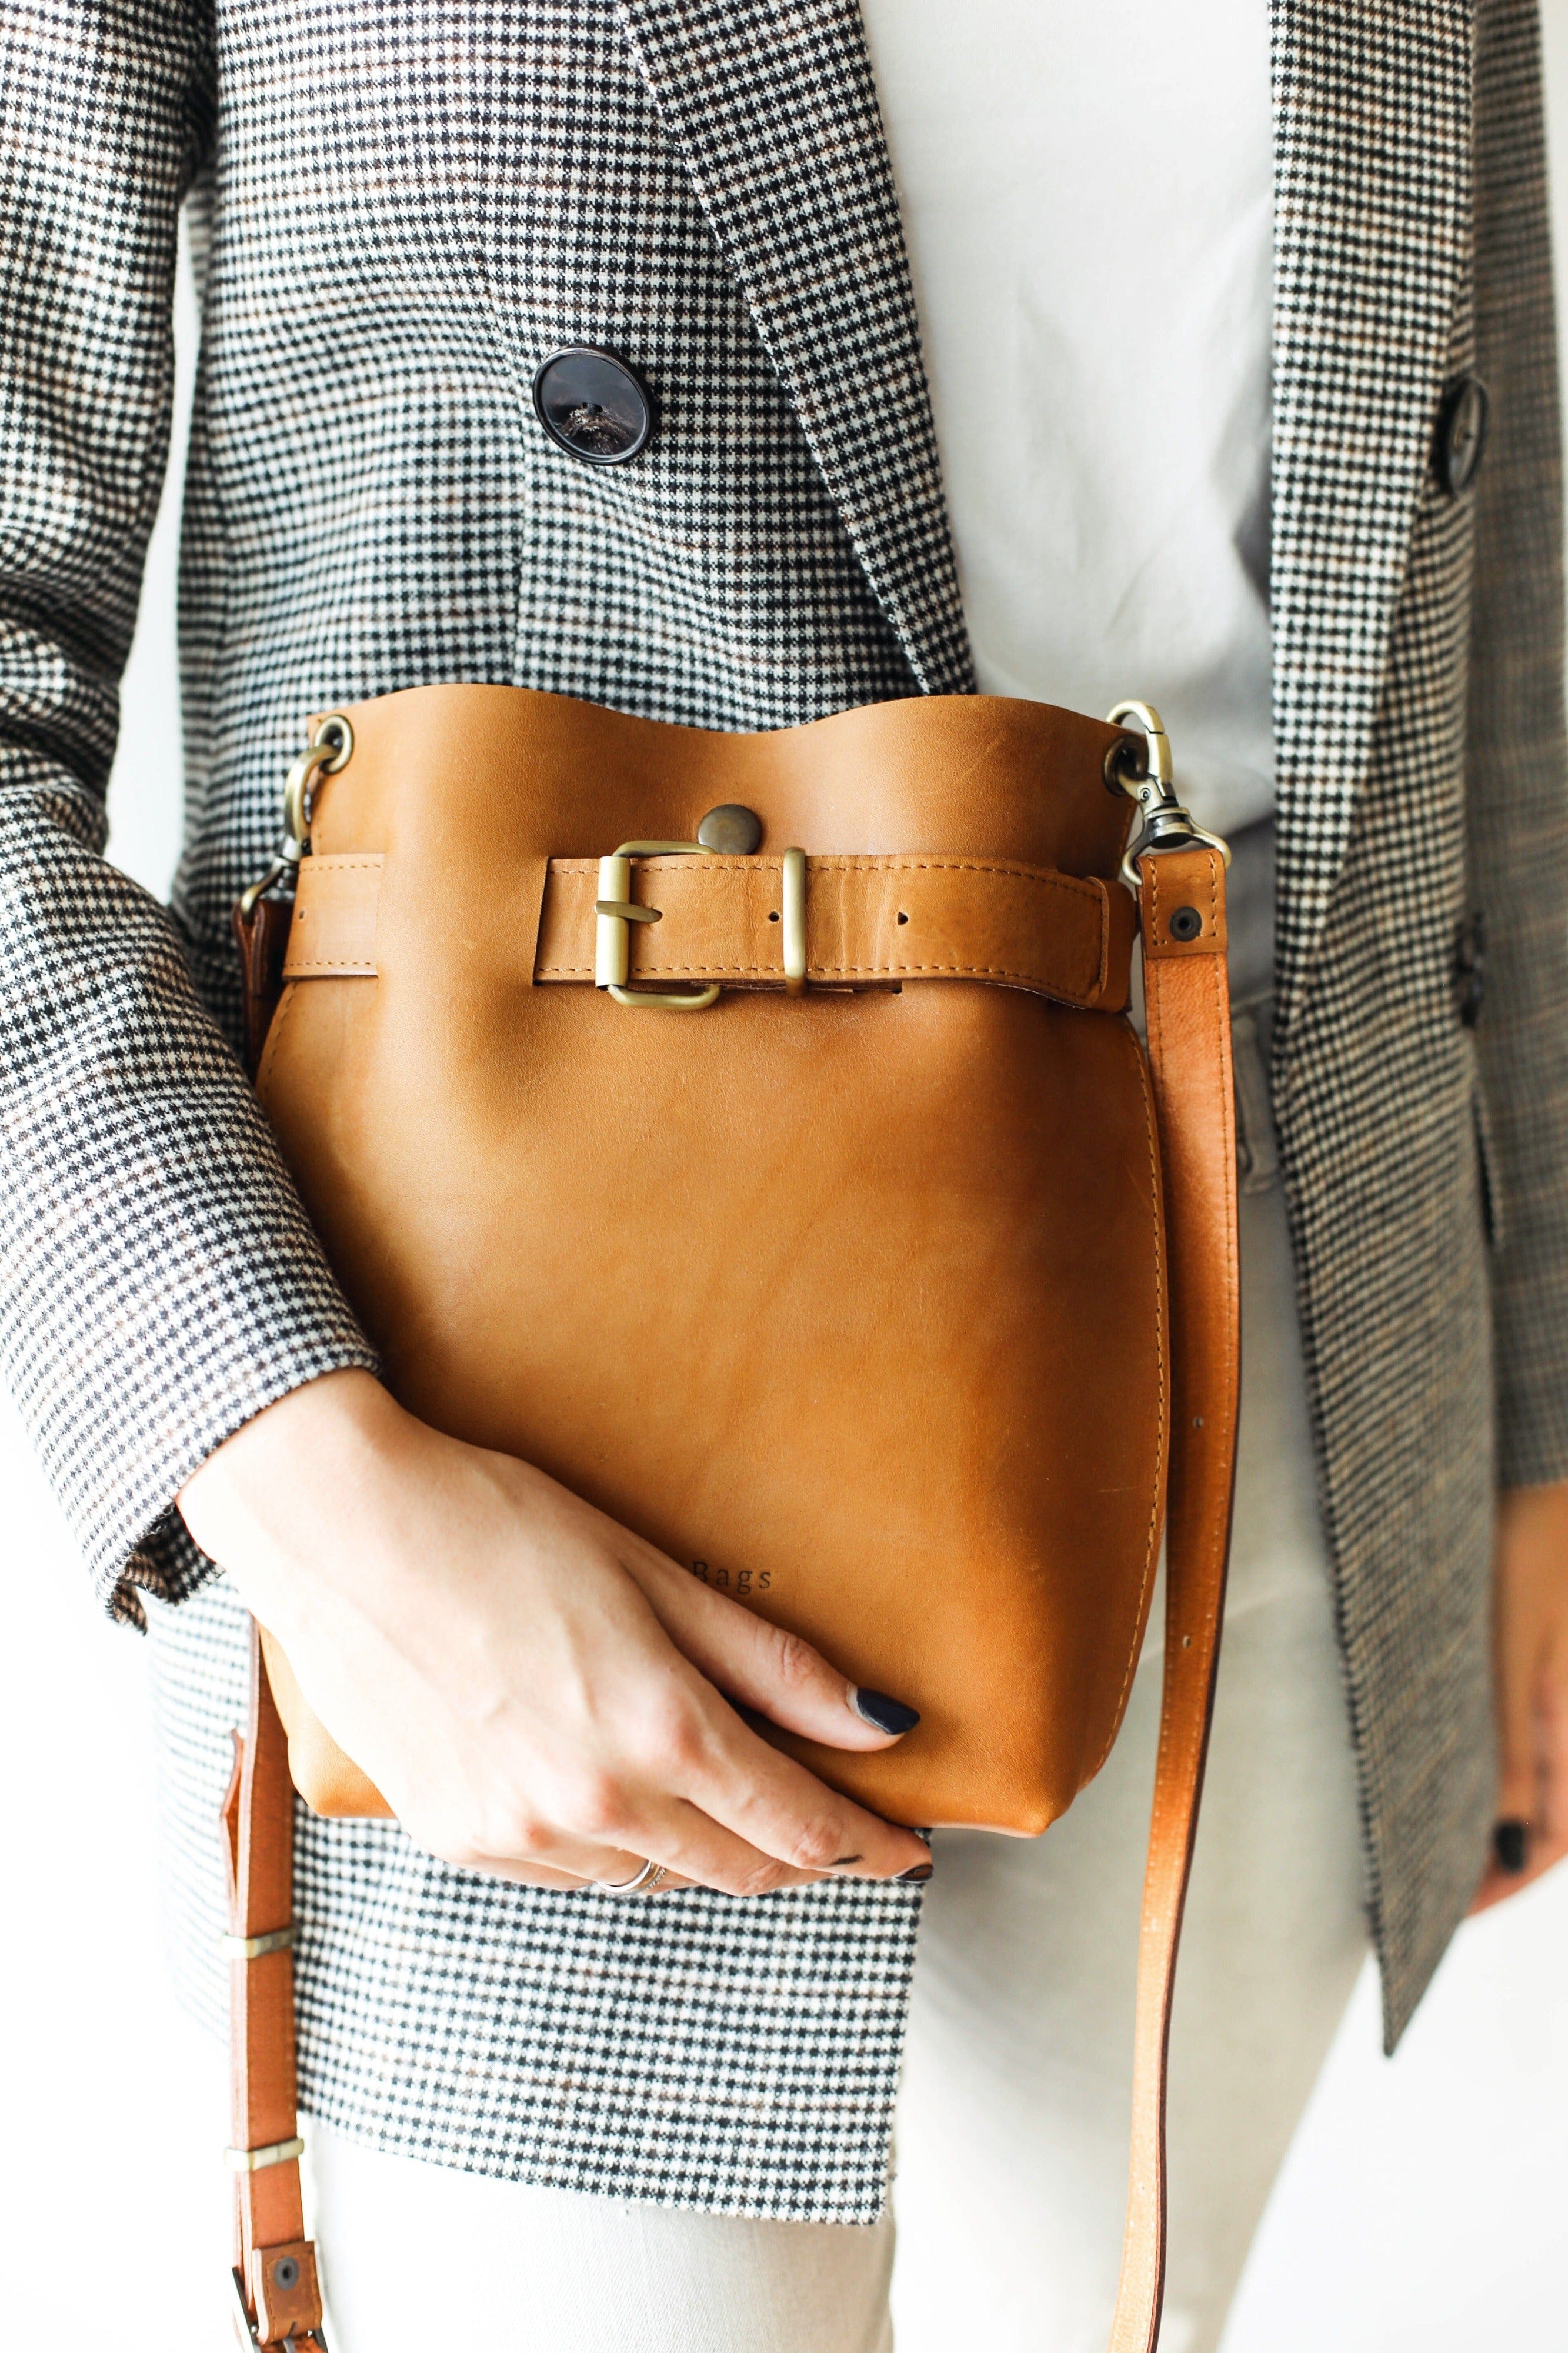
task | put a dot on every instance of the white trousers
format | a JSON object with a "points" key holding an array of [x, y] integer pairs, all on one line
{"points": [[1013, 2120]]}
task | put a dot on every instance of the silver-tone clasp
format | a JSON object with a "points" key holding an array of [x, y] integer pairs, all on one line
{"points": [[330, 748], [617, 911], [1166, 824]]}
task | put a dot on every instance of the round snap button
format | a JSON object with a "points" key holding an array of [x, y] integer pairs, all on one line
{"points": [[1186, 924], [1461, 437], [592, 404], [730, 830]]}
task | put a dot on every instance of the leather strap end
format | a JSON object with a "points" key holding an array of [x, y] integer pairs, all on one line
{"points": [[1183, 904], [285, 2292]]}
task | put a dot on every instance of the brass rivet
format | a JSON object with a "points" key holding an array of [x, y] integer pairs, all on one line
{"points": [[730, 830]]}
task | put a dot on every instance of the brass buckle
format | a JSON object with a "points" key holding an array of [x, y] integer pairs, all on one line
{"points": [[617, 911], [1166, 824]]}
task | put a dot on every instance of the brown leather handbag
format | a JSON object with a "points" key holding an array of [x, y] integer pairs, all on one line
{"points": [[748, 1130]]}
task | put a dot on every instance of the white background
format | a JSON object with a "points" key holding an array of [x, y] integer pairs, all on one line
{"points": [[1424, 2208]]}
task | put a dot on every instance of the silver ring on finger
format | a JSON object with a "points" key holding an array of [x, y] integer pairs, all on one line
{"points": [[641, 1883]]}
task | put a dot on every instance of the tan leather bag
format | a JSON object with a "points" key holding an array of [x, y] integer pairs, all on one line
{"points": [[820, 1217]]}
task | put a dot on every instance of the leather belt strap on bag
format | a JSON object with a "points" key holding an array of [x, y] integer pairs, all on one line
{"points": [[990, 919], [868, 923]]}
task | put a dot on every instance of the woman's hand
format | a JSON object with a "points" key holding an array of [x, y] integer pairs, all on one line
{"points": [[537, 1693], [1532, 1641]]}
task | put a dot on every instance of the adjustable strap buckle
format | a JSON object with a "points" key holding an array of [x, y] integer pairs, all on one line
{"points": [[616, 911], [1166, 824]]}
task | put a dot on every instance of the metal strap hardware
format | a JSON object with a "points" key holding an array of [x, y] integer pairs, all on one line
{"points": [[330, 748], [243, 2325], [795, 921], [251, 1948], [257, 2160], [616, 910], [1166, 824]]}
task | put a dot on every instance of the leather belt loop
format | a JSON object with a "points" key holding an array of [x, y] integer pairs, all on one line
{"points": [[1186, 991]]}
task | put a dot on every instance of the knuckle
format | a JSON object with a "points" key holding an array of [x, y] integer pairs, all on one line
{"points": [[760, 1877], [795, 1663], [676, 1738], [594, 1806], [818, 1842], [509, 1830]]}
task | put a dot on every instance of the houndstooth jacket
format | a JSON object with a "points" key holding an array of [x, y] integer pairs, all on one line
{"points": [[396, 211]]}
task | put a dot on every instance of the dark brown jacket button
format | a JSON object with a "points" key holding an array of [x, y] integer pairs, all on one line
{"points": [[730, 830], [592, 406], [1461, 437], [1470, 968]]}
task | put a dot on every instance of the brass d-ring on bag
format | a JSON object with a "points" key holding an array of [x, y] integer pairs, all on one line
{"points": [[748, 1130]]}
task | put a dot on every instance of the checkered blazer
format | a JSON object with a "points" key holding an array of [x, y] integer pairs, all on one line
{"points": [[398, 207]]}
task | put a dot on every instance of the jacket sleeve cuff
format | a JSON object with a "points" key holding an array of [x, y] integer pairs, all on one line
{"points": [[146, 1547]]}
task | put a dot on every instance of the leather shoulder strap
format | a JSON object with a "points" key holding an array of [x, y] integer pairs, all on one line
{"points": [[277, 2298], [1187, 995]]}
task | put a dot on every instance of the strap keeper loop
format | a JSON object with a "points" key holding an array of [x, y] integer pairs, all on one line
{"points": [[257, 2160], [252, 1948]]}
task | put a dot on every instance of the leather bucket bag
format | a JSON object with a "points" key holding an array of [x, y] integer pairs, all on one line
{"points": [[749, 1131]]}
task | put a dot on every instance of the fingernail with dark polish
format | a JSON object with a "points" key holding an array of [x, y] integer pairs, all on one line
{"points": [[916, 1876], [886, 1714], [1510, 1844]]}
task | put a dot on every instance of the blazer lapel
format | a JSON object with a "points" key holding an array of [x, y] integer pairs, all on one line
{"points": [[1372, 121], [775, 114]]}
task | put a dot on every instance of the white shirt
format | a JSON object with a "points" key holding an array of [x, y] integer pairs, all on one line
{"points": [[1087, 189]]}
